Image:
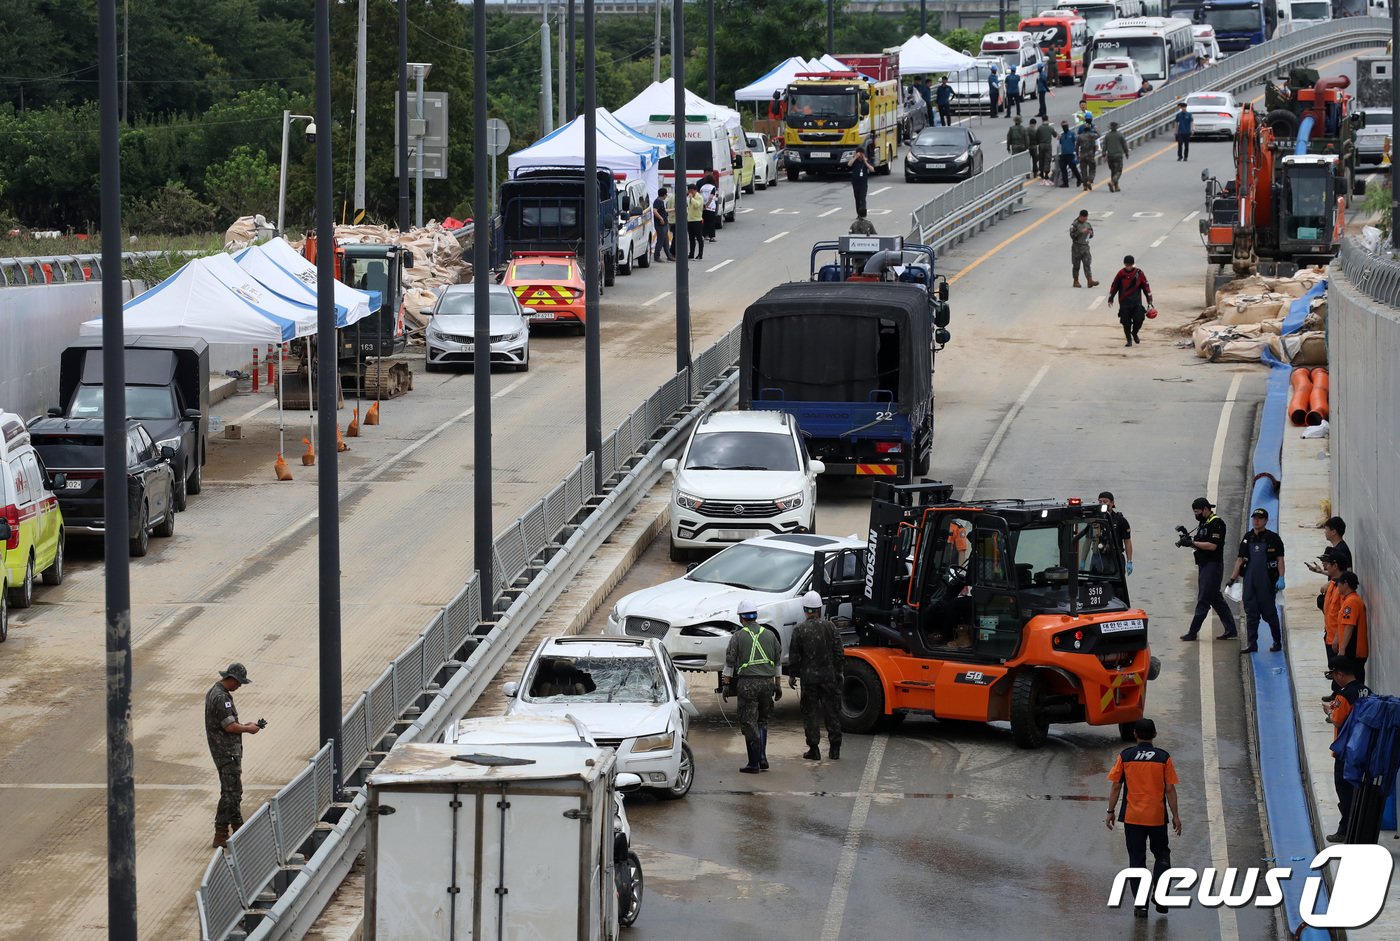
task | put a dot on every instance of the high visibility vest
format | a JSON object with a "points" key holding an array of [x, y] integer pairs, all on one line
{"points": [[757, 655]]}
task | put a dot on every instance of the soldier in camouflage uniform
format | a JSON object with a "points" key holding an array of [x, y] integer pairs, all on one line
{"points": [[816, 655], [224, 731], [1086, 146], [1080, 232], [751, 672]]}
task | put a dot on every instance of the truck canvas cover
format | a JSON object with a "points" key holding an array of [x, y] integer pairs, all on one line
{"points": [[150, 360], [838, 342]]}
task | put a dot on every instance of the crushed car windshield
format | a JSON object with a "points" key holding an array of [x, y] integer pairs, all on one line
{"points": [[754, 567], [597, 679]]}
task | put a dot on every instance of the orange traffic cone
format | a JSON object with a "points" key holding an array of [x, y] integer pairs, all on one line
{"points": [[309, 457], [281, 469], [372, 415], [340, 444], [352, 430]]}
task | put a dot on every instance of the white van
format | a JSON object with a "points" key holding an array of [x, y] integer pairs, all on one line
{"points": [[706, 148], [635, 225], [1017, 51], [35, 544]]}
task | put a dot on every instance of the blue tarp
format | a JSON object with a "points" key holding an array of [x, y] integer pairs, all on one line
{"points": [[1298, 310], [1367, 742]]}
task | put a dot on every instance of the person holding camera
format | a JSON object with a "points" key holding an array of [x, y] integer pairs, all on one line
{"points": [[224, 731], [1261, 563], [1208, 547]]}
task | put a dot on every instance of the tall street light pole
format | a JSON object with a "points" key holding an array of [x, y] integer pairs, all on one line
{"points": [[923, 17], [327, 394], [571, 41], [546, 75], [592, 346], [360, 44], [287, 119], [1394, 109], [483, 533], [710, 44], [121, 781], [831, 27], [403, 115], [682, 252], [656, 50]]}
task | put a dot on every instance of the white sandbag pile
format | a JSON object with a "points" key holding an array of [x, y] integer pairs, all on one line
{"points": [[1248, 318]]}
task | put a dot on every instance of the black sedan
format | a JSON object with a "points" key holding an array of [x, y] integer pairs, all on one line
{"points": [[72, 451], [943, 153]]}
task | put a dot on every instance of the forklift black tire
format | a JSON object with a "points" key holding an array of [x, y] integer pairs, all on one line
{"points": [[1029, 727], [1125, 731], [862, 698]]}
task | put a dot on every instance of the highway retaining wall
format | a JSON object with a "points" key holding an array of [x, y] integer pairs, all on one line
{"points": [[1363, 327]]}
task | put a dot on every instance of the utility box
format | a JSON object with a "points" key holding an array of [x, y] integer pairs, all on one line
{"points": [[500, 841]]}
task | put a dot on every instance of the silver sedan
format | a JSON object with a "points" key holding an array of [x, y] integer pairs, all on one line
{"points": [[451, 330]]}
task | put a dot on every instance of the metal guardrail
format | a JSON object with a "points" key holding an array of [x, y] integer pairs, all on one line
{"points": [[60, 269], [1376, 276], [966, 208], [282, 864]]}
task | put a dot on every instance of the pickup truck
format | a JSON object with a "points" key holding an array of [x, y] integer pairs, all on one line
{"points": [[542, 209], [167, 390]]}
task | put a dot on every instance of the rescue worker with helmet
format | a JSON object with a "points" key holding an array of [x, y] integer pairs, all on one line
{"points": [[816, 655], [751, 671]]}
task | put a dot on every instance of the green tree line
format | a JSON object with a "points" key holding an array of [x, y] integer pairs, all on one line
{"points": [[204, 86]]}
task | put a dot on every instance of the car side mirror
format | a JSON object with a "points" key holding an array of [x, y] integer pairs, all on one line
{"points": [[818, 467], [55, 412], [58, 481], [1205, 175], [669, 465], [943, 290], [511, 689], [167, 453], [627, 782], [864, 108], [192, 414], [4, 530]]}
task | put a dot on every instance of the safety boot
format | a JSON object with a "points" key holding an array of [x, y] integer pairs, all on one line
{"points": [[1077, 284], [1093, 283], [752, 766], [834, 750], [813, 753], [763, 750], [220, 835]]}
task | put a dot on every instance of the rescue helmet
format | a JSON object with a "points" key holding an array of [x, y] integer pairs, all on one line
{"points": [[748, 611], [811, 601]]}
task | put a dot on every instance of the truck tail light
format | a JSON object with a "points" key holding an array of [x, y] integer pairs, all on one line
{"points": [[12, 517], [889, 447]]}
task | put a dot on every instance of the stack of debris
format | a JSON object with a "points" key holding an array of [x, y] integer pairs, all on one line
{"points": [[1248, 318]]}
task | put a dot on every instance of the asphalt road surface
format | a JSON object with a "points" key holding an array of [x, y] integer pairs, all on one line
{"points": [[1036, 397]]}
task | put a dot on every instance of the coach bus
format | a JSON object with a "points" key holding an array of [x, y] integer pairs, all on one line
{"points": [[1099, 13], [1164, 49], [1063, 34]]}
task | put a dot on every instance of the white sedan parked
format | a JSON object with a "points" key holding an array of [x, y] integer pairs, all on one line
{"points": [[1213, 113], [628, 694], [765, 160]]}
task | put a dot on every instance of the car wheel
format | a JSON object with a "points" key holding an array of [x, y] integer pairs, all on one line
{"points": [[750, 188], [645, 260], [630, 908], [53, 575], [195, 482], [179, 499], [166, 527], [22, 595], [624, 268], [678, 554], [793, 174], [141, 538], [908, 178], [729, 216], [1029, 726], [4, 614], [524, 365], [609, 270], [432, 367], [862, 698], [685, 777]]}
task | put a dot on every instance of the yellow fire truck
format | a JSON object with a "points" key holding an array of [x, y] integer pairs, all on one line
{"points": [[830, 114]]}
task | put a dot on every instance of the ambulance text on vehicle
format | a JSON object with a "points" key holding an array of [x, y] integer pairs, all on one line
{"points": [[706, 149], [1112, 81]]}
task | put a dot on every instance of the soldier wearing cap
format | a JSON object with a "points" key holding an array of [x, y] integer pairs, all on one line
{"points": [[817, 655], [1208, 547], [751, 664], [224, 731], [1260, 562], [1146, 779], [1344, 672]]}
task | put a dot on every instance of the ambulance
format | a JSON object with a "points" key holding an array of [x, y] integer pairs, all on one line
{"points": [[707, 148], [27, 504]]}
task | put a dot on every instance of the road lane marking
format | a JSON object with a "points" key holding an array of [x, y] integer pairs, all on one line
{"points": [[509, 389], [1210, 745], [727, 261], [1097, 301], [829, 212], [242, 419], [845, 868], [1158, 242], [660, 297], [774, 238], [1190, 215], [995, 443], [785, 212], [878, 191], [748, 209]]}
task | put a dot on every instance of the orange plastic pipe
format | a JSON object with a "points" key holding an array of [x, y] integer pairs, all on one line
{"points": [[1317, 401], [1301, 399]]}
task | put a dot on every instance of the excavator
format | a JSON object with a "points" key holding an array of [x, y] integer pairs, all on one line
{"points": [[1294, 167]]}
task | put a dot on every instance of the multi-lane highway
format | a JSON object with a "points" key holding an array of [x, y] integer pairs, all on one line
{"points": [[933, 827]]}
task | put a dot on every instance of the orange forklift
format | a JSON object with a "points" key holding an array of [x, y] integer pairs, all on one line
{"points": [[1006, 610]]}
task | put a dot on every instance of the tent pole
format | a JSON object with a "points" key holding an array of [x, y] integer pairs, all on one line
{"points": [[281, 381], [310, 393]]}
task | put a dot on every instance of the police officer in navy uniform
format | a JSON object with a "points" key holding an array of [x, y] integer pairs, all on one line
{"points": [[1121, 527], [1208, 548], [1260, 562]]}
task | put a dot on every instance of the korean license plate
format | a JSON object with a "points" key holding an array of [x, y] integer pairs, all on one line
{"points": [[72, 485], [1119, 627], [937, 166], [542, 315], [735, 535]]}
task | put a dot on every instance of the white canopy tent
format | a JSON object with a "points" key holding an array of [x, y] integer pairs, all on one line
{"points": [[213, 299], [830, 63], [921, 54], [776, 80], [660, 98], [298, 284], [620, 149]]}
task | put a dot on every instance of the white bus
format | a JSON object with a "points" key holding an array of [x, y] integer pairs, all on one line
{"points": [[1099, 13], [1164, 49]]}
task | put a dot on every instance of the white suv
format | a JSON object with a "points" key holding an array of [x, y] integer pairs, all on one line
{"points": [[742, 474]]}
